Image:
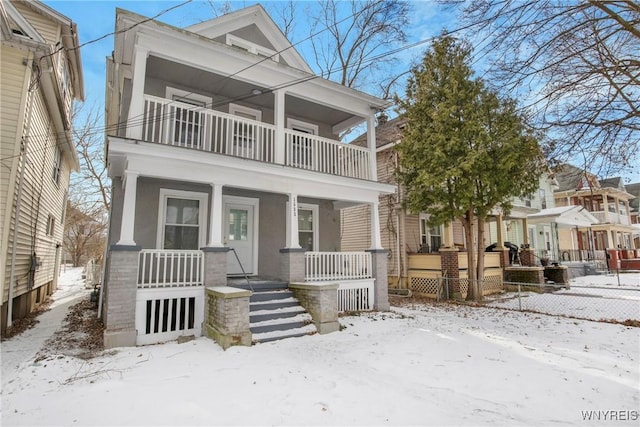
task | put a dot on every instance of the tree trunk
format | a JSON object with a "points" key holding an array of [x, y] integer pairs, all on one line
{"points": [[480, 266], [472, 290]]}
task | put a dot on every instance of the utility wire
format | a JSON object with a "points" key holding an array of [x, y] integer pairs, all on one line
{"points": [[294, 82]]}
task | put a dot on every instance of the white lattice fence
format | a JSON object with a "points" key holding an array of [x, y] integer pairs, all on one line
{"points": [[164, 314]]}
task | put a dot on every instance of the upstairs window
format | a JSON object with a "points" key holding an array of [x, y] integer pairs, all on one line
{"points": [[188, 117], [57, 165], [543, 199], [301, 145]]}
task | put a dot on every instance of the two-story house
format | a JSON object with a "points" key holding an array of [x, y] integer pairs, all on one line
{"points": [[224, 152], [532, 223], [41, 77], [607, 200]]}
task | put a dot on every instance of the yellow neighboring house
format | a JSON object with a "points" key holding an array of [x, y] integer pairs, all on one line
{"points": [[41, 77]]}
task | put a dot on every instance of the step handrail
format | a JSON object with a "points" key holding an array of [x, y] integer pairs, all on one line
{"points": [[242, 269]]}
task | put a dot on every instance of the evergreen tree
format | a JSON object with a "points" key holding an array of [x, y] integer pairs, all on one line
{"points": [[466, 150]]}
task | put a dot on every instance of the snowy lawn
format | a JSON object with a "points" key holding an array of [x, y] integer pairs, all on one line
{"points": [[608, 297], [419, 365]]}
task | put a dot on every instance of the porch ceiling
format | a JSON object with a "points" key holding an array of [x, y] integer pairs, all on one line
{"points": [[228, 90]]}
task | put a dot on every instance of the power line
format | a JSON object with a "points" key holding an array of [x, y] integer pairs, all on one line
{"points": [[146, 121]]}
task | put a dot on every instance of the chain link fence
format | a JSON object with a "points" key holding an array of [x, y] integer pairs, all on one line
{"points": [[609, 298]]}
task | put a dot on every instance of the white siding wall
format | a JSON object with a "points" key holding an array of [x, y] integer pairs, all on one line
{"points": [[13, 81]]}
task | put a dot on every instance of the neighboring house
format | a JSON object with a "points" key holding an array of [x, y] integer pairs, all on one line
{"points": [[607, 200], [634, 208], [41, 77], [406, 234], [223, 149]]}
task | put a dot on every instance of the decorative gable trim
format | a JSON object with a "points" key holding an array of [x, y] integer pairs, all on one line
{"points": [[255, 14]]}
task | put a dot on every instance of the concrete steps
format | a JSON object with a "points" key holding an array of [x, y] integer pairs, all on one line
{"points": [[274, 313]]}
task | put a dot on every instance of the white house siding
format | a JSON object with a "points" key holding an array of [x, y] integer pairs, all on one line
{"points": [[48, 29], [355, 223], [13, 83], [41, 197]]}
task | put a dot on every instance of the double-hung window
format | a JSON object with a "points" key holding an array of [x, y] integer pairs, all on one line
{"points": [[301, 144], [182, 220], [430, 236], [57, 165], [188, 117], [245, 130]]}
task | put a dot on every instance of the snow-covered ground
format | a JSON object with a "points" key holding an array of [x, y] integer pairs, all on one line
{"points": [[418, 365], [610, 297]]}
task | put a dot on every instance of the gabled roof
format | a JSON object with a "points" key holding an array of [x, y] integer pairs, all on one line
{"points": [[252, 15], [564, 216], [15, 24], [612, 183], [570, 177]]}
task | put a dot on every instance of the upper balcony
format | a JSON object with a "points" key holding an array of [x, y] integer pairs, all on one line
{"points": [[184, 125]]}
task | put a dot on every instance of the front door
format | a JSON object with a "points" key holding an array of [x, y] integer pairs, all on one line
{"points": [[240, 235]]}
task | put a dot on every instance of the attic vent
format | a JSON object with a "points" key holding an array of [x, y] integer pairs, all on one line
{"points": [[251, 47], [18, 32]]}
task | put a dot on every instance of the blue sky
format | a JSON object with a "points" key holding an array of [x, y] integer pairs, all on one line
{"points": [[97, 18]]}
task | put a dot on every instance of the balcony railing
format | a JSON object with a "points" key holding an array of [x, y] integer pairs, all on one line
{"points": [[614, 218], [179, 124]]}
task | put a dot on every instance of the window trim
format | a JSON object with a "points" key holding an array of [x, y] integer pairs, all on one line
{"points": [[427, 233], [57, 165], [185, 96], [203, 199], [50, 226], [291, 123], [315, 212], [237, 108]]}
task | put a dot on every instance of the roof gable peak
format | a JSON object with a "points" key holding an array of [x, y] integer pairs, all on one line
{"points": [[256, 16]]}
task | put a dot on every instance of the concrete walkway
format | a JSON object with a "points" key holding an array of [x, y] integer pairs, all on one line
{"points": [[22, 349]]}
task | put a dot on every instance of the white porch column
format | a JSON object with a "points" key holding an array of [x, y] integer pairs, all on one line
{"points": [[376, 241], [525, 230], [605, 202], [136, 108], [292, 241], [215, 221], [128, 209], [371, 144], [499, 235], [448, 235], [280, 125]]}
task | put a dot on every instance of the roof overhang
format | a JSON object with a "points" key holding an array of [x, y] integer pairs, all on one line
{"points": [[564, 217]]}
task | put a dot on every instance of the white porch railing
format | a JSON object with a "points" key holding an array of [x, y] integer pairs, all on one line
{"points": [[312, 152], [614, 218], [336, 266], [165, 268], [179, 124]]}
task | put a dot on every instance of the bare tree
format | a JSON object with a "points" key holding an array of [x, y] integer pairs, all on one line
{"points": [[90, 189], [85, 233], [576, 63], [371, 27]]}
